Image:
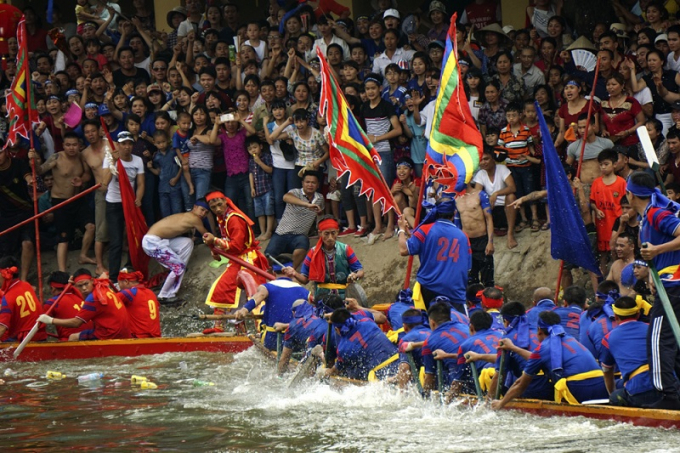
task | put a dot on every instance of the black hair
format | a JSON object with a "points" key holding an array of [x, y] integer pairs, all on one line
{"points": [[550, 318], [481, 320], [300, 114], [513, 309], [340, 315], [8, 261], [584, 117], [608, 154], [472, 290], [514, 107], [626, 302], [82, 271], [71, 134], [413, 312], [208, 70], [673, 133], [575, 295], [58, 277], [439, 312], [643, 179], [253, 139], [607, 285]]}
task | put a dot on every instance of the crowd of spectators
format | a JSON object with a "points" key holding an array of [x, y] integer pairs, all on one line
{"points": [[231, 102]]}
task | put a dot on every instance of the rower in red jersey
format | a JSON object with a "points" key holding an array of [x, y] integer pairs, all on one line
{"points": [[101, 306], [141, 304], [238, 239], [20, 307], [68, 306]]}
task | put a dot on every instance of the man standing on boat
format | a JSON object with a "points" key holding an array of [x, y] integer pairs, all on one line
{"points": [[20, 307], [278, 297], [102, 307], [167, 242], [660, 237], [330, 264], [68, 306], [141, 304], [239, 240], [576, 375], [445, 256]]}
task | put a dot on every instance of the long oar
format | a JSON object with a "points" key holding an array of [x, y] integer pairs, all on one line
{"points": [[279, 345], [414, 371], [665, 302], [205, 317], [440, 380], [501, 374], [242, 263], [306, 366], [35, 328], [475, 378], [329, 331]]}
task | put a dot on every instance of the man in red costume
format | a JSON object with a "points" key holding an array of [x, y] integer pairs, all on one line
{"points": [[237, 239], [141, 304], [101, 306], [20, 306], [68, 306]]}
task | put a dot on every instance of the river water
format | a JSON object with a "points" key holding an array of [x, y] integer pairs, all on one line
{"points": [[250, 409]]}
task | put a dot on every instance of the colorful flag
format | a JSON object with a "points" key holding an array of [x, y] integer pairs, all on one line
{"points": [[455, 145], [568, 236], [135, 224], [350, 150], [20, 103]]}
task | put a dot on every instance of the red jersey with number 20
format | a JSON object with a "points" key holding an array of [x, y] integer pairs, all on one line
{"points": [[110, 318], [445, 258], [19, 312], [143, 311]]}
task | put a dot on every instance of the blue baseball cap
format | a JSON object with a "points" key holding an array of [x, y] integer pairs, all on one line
{"points": [[104, 110]]}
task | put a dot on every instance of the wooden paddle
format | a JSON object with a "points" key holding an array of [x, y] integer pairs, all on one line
{"points": [[414, 371], [475, 378], [501, 375], [35, 328], [306, 366], [204, 317]]}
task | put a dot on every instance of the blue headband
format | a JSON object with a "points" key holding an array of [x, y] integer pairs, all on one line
{"points": [[574, 83], [658, 200], [444, 207], [404, 163], [371, 79], [91, 105], [277, 268], [346, 326], [405, 296], [556, 332], [520, 324], [609, 300], [202, 204], [302, 310], [640, 263]]}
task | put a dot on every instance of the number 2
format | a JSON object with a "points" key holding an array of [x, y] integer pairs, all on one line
{"points": [[445, 253]]}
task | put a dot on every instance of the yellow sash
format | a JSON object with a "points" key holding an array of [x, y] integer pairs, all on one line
{"points": [[418, 301], [371, 374], [485, 378], [265, 328], [331, 285], [640, 370], [562, 392], [393, 335]]}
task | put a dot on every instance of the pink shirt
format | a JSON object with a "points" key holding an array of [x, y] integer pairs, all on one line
{"points": [[235, 153]]}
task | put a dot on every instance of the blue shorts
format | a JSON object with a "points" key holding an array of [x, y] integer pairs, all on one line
{"points": [[264, 204], [286, 243], [87, 335]]}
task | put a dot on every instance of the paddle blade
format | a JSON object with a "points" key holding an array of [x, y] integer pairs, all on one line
{"points": [[306, 367], [25, 341]]}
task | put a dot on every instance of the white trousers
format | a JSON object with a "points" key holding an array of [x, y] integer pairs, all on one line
{"points": [[172, 254]]}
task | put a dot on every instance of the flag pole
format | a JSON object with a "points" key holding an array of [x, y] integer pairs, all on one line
{"points": [[580, 163], [419, 209]]}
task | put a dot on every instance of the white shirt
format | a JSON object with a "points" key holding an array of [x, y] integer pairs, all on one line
{"points": [[671, 63], [186, 26], [531, 78], [321, 44], [502, 173], [132, 168], [259, 50], [382, 61], [644, 96], [427, 116]]}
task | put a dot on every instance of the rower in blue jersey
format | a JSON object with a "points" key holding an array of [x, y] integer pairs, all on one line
{"points": [[364, 352], [602, 317], [483, 340], [626, 348], [543, 300], [416, 331], [304, 325], [570, 366], [573, 301], [404, 302], [660, 237], [278, 296], [442, 344], [492, 301]]}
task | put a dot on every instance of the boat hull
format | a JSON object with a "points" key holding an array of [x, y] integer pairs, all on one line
{"points": [[37, 352]]}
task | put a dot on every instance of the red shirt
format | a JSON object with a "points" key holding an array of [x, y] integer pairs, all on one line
{"points": [[109, 316], [481, 15], [19, 312], [143, 311], [607, 198], [67, 308]]}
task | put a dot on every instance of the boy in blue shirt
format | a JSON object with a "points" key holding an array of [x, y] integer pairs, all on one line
{"points": [[164, 166]]}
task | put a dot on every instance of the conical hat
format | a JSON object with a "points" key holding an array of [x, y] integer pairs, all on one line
{"points": [[505, 40], [582, 43]]}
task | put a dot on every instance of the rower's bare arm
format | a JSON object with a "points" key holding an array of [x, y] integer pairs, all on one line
{"points": [[515, 391]]}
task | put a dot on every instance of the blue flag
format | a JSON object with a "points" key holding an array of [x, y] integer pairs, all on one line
{"points": [[568, 236]]}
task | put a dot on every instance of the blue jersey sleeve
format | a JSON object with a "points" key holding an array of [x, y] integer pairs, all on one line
{"points": [[484, 201], [535, 363], [606, 357]]}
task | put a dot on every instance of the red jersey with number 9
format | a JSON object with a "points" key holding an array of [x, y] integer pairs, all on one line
{"points": [[19, 312], [110, 318], [143, 310]]}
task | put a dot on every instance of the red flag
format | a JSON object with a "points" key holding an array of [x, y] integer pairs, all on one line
{"points": [[135, 224], [20, 105]]}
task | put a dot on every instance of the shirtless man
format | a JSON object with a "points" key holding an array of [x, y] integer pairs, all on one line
{"points": [[625, 252], [93, 157], [475, 216], [69, 175], [166, 243], [594, 144]]}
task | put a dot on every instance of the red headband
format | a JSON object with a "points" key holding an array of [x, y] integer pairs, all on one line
{"points": [[328, 224], [56, 285], [135, 276], [488, 302], [82, 277], [8, 273], [215, 195]]}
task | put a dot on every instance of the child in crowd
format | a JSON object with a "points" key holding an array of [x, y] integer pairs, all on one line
{"points": [[605, 199], [416, 133], [530, 117], [261, 168], [394, 93], [406, 188], [169, 173], [673, 191], [283, 157], [350, 72], [253, 32], [519, 144], [179, 144]]}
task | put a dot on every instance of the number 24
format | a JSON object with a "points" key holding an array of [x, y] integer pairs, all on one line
{"points": [[448, 250]]}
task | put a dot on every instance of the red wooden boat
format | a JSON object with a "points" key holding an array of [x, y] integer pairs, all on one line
{"points": [[68, 350]]}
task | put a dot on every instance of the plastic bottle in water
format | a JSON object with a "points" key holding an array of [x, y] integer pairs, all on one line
{"points": [[137, 379], [148, 385], [199, 383], [183, 366], [56, 375], [90, 377]]}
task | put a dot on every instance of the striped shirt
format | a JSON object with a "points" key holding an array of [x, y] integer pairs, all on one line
{"points": [[200, 154], [517, 145], [299, 219], [378, 122]]}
